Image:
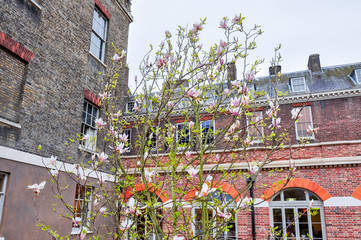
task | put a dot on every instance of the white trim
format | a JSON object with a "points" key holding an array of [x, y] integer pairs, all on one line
{"points": [[10, 123], [36, 160], [98, 60], [342, 202], [39, 7]]}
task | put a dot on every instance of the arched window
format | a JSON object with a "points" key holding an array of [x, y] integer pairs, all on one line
{"points": [[143, 224], [217, 198], [290, 218]]}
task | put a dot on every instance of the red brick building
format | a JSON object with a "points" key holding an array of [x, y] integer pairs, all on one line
{"points": [[328, 168]]}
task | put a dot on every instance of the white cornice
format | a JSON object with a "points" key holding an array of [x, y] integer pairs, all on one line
{"points": [[36, 160]]}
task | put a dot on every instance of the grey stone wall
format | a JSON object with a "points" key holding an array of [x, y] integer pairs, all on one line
{"points": [[52, 99]]}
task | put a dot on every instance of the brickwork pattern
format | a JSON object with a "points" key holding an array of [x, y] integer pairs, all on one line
{"points": [[59, 37]]}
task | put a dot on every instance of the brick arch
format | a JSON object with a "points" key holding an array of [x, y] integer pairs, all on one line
{"points": [[141, 187], [297, 183], [357, 193], [225, 187]]}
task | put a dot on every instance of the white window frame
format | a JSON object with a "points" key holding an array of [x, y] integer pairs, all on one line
{"points": [[130, 109], [229, 207], [140, 205], [103, 40], [293, 84], [2, 193], [257, 127], [128, 132], [300, 116], [358, 75], [89, 201], [295, 205], [212, 137], [178, 135], [89, 129]]}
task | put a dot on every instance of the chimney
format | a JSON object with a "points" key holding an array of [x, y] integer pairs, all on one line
{"points": [[273, 70], [314, 64], [231, 73]]}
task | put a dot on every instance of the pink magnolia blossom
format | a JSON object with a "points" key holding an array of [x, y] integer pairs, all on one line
{"points": [[161, 63], [188, 154], [123, 137], [245, 100], [312, 130], [276, 123], [103, 210], [209, 178], [223, 24], [191, 124], [236, 19], [136, 108], [116, 57], [295, 113], [118, 114], [120, 148], [193, 93], [170, 104], [111, 130], [86, 137], [244, 88], [236, 84], [292, 165], [54, 172], [76, 221], [149, 175], [226, 91], [253, 168], [83, 233], [197, 26], [53, 160], [126, 224], [217, 157], [37, 187], [235, 102], [100, 123], [248, 142], [223, 44], [244, 202], [311, 204], [105, 95], [167, 34], [235, 111], [251, 76], [102, 157], [226, 215], [192, 171], [205, 190]]}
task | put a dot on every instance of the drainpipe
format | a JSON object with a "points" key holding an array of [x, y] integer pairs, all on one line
{"points": [[251, 180]]}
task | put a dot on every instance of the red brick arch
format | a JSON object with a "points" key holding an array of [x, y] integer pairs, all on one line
{"points": [[357, 193], [299, 183], [225, 187], [141, 187]]}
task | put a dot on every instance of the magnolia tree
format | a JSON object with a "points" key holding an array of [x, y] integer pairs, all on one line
{"points": [[171, 185]]}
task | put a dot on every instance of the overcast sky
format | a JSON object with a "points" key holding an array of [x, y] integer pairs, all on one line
{"points": [[331, 28]]}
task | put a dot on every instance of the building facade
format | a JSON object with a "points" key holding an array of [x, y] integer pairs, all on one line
{"points": [[51, 54], [328, 167]]}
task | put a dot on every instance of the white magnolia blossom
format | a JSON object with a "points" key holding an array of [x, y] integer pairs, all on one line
{"points": [[192, 171], [37, 187]]}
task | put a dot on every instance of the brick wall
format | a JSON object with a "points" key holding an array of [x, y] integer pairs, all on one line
{"points": [[59, 37]]}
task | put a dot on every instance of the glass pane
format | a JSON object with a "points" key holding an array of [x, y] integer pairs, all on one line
{"points": [[277, 216], [317, 231], [88, 119], [312, 196], [95, 45], [277, 198], [303, 223], [294, 195], [290, 225], [2, 182]]}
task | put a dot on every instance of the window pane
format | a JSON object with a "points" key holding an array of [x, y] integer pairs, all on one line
{"points": [[277, 216], [2, 183], [290, 227], [95, 45], [294, 195], [277, 198]]}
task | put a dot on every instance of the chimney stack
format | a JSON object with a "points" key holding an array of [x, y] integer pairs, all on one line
{"points": [[231, 73], [314, 64], [273, 70]]}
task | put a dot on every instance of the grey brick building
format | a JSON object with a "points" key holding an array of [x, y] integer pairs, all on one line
{"points": [[51, 53]]}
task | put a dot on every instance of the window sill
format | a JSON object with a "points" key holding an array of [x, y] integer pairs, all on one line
{"points": [[98, 60], [76, 231], [39, 7], [10, 123], [86, 149]]}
